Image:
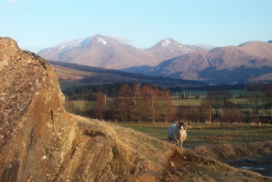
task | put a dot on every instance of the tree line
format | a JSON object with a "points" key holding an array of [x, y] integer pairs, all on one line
{"points": [[147, 103], [88, 92]]}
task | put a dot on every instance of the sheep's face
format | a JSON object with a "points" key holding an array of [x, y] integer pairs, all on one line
{"points": [[180, 125]]}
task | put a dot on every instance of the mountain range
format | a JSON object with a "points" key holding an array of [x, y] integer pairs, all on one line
{"points": [[105, 52], [169, 58], [220, 65]]}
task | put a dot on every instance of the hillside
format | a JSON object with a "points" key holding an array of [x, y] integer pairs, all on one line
{"points": [[76, 75], [220, 65]]}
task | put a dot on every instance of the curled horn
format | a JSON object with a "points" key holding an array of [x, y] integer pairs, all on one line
{"points": [[186, 126]]}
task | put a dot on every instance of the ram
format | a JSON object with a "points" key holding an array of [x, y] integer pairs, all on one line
{"points": [[177, 133]]}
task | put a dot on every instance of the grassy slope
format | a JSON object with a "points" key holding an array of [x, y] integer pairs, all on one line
{"points": [[134, 151]]}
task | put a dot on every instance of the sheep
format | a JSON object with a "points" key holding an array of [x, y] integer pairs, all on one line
{"points": [[177, 133]]}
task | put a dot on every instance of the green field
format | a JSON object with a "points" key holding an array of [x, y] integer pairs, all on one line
{"points": [[207, 134], [198, 101], [202, 94]]}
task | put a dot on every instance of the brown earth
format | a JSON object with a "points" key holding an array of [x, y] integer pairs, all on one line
{"points": [[40, 141]]}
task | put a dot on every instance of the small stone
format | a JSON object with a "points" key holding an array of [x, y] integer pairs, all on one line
{"points": [[13, 96], [44, 157], [36, 93], [184, 157], [172, 164]]}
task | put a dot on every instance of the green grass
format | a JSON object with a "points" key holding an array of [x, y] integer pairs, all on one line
{"points": [[191, 102], [207, 134]]}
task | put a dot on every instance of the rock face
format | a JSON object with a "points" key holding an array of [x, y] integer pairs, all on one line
{"points": [[35, 133], [37, 137]]}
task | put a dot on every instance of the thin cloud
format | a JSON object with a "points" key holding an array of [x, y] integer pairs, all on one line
{"points": [[119, 38], [206, 46], [11, 1]]}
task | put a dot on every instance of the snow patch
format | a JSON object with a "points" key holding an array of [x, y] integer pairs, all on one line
{"points": [[48, 51], [166, 42], [71, 44], [99, 39]]}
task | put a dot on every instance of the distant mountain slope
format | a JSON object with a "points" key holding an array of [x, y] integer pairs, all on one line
{"points": [[270, 41], [164, 50], [105, 52], [169, 48], [220, 65], [71, 74], [99, 51]]}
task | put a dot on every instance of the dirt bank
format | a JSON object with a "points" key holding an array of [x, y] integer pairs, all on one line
{"points": [[224, 152]]}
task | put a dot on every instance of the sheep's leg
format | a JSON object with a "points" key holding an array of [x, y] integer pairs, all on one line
{"points": [[180, 142], [177, 142]]}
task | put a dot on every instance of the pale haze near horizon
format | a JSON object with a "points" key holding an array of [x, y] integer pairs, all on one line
{"points": [[39, 24]]}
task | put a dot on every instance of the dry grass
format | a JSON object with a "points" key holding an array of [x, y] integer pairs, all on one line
{"points": [[138, 154], [129, 141]]}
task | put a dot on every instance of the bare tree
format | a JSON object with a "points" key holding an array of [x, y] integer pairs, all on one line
{"points": [[166, 105], [137, 102], [255, 95], [124, 109], [100, 106], [219, 100]]}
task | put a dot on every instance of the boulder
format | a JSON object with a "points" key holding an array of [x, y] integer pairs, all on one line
{"points": [[39, 141]]}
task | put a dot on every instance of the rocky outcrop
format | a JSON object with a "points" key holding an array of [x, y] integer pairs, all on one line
{"points": [[34, 129], [38, 138], [39, 141]]}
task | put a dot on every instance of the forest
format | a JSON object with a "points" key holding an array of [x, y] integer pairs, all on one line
{"points": [[147, 103]]}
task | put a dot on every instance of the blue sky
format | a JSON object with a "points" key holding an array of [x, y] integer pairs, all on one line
{"points": [[142, 23]]}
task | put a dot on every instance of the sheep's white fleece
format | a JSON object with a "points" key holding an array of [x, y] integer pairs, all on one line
{"points": [[176, 135]]}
